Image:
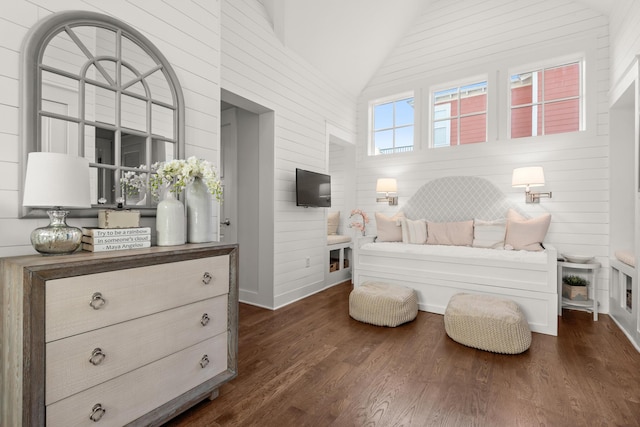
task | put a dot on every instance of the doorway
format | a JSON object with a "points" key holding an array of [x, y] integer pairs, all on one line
{"points": [[247, 210]]}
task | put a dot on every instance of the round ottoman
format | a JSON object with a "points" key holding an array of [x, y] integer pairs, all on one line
{"points": [[487, 323], [383, 304]]}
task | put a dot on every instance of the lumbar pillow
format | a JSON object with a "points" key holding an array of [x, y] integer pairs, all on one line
{"points": [[489, 234], [388, 228], [526, 234], [414, 231], [450, 233], [333, 219]]}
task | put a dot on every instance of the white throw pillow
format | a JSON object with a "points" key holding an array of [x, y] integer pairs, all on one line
{"points": [[450, 233], [526, 234], [333, 220], [489, 234], [414, 231], [388, 228]]}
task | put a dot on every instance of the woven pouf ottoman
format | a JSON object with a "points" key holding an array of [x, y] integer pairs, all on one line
{"points": [[383, 304], [487, 323]]}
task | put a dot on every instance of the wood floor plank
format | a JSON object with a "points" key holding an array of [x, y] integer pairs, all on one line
{"points": [[310, 364]]}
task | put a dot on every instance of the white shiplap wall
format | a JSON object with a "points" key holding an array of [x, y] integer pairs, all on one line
{"points": [[473, 37], [256, 66], [625, 37], [186, 33]]}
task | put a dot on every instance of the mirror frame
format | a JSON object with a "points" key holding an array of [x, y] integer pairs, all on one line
{"points": [[36, 41]]}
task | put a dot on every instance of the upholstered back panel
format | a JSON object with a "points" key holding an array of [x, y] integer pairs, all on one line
{"points": [[458, 198]]}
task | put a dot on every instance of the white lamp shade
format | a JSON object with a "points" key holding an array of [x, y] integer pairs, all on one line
{"points": [[386, 185], [532, 176], [56, 180]]}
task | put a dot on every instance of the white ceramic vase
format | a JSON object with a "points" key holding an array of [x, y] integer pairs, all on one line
{"points": [[199, 212], [170, 221]]}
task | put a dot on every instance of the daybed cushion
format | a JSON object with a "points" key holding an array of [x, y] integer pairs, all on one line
{"points": [[333, 220], [450, 233], [383, 304], [337, 238], [487, 323], [526, 234], [414, 231], [388, 228], [489, 234], [626, 256]]}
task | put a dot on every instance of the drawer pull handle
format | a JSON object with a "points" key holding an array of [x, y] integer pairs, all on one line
{"points": [[97, 412], [204, 361], [97, 302], [97, 356], [206, 278], [205, 319]]}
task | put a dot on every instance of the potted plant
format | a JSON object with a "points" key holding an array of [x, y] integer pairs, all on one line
{"points": [[575, 288]]}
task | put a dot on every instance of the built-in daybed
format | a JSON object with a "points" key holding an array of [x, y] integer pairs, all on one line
{"points": [[437, 271]]}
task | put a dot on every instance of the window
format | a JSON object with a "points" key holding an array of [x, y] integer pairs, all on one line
{"points": [[392, 125], [546, 101], [459, 115], [95, 87]]}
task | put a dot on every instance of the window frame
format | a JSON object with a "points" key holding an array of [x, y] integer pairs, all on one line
{"points": [[457, 84], [370, 122], [36, 41], [542, 66]]}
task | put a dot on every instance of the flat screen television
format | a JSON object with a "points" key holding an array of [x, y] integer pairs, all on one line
{"points": [[313, 189]]}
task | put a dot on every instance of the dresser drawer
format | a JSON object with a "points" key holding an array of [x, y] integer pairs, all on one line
{"points": [[130, 396], [76, 363], [121, 295]]}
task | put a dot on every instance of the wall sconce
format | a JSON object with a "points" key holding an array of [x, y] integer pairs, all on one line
{"points": [[532, 176], [389, 187], [54, 181]]}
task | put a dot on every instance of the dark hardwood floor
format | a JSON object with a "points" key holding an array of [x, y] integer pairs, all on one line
{"points": [[310, 364]]}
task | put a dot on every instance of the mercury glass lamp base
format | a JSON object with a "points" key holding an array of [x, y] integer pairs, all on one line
{"points": [[57, 238]]}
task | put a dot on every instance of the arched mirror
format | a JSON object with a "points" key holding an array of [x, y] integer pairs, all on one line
{"points": [[95, 87]]}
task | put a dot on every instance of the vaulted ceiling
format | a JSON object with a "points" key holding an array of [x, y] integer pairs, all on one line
{"points": [[348, 40]]}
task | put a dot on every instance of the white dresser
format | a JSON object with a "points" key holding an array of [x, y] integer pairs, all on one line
{"points": [[118, 338]]}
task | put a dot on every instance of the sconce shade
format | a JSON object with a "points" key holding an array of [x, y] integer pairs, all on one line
{"points": [[532, 176], [386, 185], [56, 180]]}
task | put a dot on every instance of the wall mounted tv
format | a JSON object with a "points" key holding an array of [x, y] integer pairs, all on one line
{"points": [[313, 189]]}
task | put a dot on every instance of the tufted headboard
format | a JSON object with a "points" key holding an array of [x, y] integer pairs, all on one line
{"points": [[458, 198]]}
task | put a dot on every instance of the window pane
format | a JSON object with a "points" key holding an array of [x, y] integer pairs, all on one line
{"points": [[100, 104], [59, 136], [526, 88], [133, 113], [383, 116], [404, 139], [163, 151], [404, 112], [105, 146], [64, 54], [473, 129], [383, 140], [162, 121], [562, 82], [473, 98], [97, 40], [59, 94], [563, 116], [135, 57], [105, 185], [133, 151], [526, 121]]}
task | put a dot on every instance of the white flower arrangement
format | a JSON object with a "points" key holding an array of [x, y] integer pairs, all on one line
{"points": [[134, 183], [177, 174]]}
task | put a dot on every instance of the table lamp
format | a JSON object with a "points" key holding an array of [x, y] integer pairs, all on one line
{"points": [[55, 181]]}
